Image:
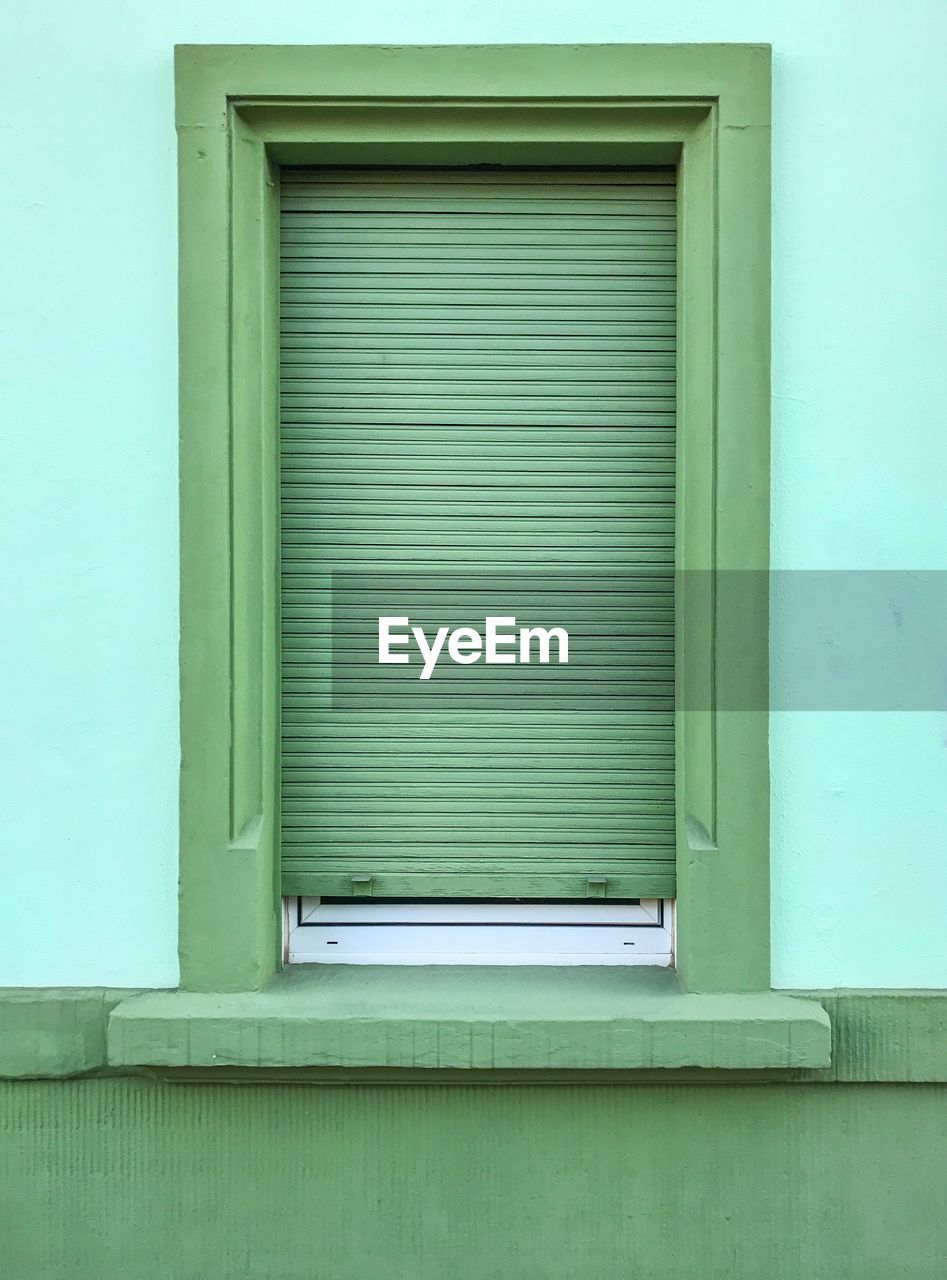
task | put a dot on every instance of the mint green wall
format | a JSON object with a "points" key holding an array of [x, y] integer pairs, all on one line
{"points": [[90, 553]]}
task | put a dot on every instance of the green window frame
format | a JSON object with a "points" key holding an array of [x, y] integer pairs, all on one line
{"points": [[244, 111]]}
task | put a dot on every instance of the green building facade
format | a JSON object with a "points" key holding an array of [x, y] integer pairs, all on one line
{"points": [[177, 1101]]}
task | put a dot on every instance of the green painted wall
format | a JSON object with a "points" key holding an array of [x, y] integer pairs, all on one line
{"points": [[89, 475], [129, 1178]]}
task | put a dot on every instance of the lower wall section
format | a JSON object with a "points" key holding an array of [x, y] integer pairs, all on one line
{"points": [[136, 1180]]}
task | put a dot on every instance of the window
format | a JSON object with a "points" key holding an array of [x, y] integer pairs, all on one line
{"points": [[247, 117], [477, 378], [448, 931]]}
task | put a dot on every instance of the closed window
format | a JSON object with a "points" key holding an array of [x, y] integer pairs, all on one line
{"points": [[478, 440]]}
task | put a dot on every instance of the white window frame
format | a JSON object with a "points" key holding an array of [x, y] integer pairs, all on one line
{"points": [[366, 931]]}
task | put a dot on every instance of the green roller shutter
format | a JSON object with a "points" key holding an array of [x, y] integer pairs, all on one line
{"points": [[477, 396]]}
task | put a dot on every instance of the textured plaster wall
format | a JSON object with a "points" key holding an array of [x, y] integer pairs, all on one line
{"points": [[139, 1180], [89, 566]]}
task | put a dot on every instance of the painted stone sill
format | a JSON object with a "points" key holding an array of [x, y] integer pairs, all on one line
{"points": [[468, 1017]]}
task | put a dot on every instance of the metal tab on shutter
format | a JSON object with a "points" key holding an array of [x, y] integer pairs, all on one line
{"points": [[478, 378]]}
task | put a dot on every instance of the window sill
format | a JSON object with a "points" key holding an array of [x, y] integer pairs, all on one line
{"points": [[470, 1018]]}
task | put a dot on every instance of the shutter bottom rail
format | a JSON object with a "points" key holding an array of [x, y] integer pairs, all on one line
{"points": [[656, 880]]}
